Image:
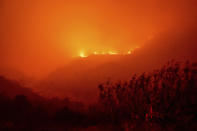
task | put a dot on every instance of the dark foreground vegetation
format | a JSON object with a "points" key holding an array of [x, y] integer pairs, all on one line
{"points": [[165, 99]]}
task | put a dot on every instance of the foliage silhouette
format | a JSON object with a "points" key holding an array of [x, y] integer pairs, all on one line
{"points": [[165, 96], [164, 99]]}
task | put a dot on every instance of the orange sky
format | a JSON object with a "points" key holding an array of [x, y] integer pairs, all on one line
{"points": [[37, 36]]}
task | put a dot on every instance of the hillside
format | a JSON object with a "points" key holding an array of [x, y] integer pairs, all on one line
{"points": [[80, 78]]}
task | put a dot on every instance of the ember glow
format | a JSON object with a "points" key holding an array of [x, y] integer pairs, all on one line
{"points": [[83, 54]]}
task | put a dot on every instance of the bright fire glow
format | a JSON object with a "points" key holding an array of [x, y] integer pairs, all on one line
{"points": [[82, 55], [112, 53], [95, 53]]}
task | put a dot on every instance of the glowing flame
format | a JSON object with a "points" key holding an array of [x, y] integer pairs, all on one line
{"points": [[112, 53], [103, 53], [129, 52], [95, 53], [82, 55]]}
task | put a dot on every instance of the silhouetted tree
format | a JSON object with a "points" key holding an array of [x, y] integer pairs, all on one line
{"points": [[164, 96]]}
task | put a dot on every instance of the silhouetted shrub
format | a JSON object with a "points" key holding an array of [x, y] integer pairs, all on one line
{"points": [[165, 96]]}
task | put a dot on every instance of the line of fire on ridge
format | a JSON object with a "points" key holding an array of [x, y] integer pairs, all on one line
{"points": [[83, 55]]}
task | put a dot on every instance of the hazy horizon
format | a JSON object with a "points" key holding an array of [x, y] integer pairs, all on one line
{"points": [[38, 37]]}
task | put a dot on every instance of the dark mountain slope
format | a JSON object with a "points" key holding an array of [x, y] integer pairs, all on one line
{"points": [[80, 78]]}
